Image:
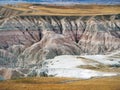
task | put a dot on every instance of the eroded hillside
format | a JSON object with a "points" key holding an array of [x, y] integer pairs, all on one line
{"points": [[29, 37]]}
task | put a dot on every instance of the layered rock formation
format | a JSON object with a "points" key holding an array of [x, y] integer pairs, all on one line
{"points": [[51, 45], [44, 37], [74, 27], [49, 36]]}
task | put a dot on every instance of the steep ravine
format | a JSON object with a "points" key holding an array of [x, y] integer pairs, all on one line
{"points": [[77, 28], [48, 36]]}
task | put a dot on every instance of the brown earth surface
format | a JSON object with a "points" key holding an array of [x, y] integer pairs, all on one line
{"points": [[51, 83], [69, 10]]}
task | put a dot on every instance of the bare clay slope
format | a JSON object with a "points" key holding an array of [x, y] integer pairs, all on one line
{"points": [[49, 36], [91, 35], [44, 37]]}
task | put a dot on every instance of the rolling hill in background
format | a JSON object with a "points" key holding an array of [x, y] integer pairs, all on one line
{"points": [[63, 1]]}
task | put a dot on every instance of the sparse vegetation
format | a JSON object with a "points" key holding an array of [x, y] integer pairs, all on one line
{"points": [[99, 66], [115, 65], [75, 10], [50, 83]]}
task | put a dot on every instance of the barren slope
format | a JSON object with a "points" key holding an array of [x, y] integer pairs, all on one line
{"points": [[40, 32]]}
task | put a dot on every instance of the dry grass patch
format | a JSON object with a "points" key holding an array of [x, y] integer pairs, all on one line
{"points": [[112, 83], [74, 10], [99, 66]]}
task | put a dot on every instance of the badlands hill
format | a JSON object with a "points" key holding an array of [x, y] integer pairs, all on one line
{"points": [[31, 35]]}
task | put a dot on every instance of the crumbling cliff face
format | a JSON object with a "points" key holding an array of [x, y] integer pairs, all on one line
{"points": [[26, 41], [98, 32], [50, 36], [51, 45], [45, 37], [5, 12]]}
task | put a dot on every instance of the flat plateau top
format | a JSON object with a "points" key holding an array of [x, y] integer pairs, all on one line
{"points": [[68, 10]]}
